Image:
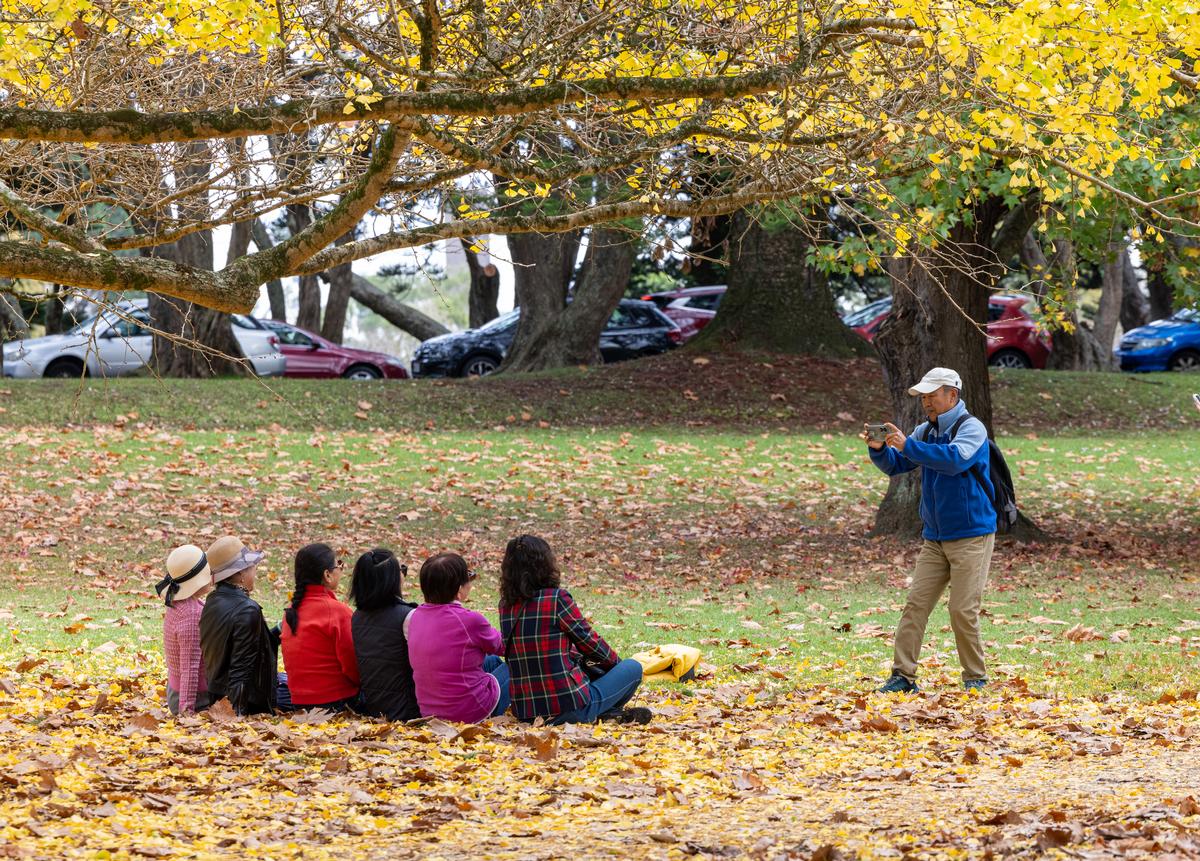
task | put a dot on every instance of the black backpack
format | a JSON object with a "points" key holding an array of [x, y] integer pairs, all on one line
{"points": [[1005, 498]]}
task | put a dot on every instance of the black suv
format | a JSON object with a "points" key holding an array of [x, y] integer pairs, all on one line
{"points": [[635, 329]]}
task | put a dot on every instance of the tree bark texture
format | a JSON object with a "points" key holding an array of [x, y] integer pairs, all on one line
{"points": [[542, 268], [1112, 292], [1162, 295], [196, 341], [1135, 305], [485, 288], [1074, 348], [54, 310], [775, 301], [570, 335], [262, 240], [299, 217], [341, 280]]}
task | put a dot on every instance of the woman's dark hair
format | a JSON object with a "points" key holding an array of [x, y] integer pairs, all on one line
{"points": [[376, 580], [442, 575], [312, 561], [529, 566]]}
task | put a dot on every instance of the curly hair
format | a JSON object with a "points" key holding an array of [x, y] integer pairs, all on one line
{"points": [[529, 566]]}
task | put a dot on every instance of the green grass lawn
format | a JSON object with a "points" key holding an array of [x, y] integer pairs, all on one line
{"points": [[750, 542]]}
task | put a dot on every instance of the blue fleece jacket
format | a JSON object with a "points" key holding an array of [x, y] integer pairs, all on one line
{"points": [[953, 502]]}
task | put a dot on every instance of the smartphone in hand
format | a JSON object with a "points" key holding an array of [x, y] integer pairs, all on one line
{"points": [[877, 432]]}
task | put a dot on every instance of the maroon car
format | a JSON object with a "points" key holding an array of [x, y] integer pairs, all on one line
{"points": [[310, 355], [1013, 337], [691, 308]]}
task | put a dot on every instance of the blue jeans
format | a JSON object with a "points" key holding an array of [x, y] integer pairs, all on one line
{"points": [[609, 693], [283, 694], [499, 669]]}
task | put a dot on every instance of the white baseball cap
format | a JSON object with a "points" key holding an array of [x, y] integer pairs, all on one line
{"points": [[935, 379]]}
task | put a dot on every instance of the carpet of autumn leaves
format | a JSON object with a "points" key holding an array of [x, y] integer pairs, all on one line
{"points": [[654, 526], [92, 767]]}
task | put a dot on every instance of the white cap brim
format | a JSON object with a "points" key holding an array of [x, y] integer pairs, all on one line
{"points": [[923, 388]]}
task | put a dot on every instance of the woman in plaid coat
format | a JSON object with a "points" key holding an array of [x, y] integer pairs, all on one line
{"points": [[561, 669]]}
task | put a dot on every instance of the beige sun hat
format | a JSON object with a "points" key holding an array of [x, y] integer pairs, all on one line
{"points": [[187, 573], [228, 555]]}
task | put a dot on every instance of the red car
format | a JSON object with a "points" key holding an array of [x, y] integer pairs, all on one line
{"points": [[690, 308], [310, 355], [1013, 338]]}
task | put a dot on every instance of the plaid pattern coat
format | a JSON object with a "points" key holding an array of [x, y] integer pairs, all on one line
{"points": [[544, 640]]}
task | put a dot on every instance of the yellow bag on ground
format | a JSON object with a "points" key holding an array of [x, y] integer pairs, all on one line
{"points": [[670, 662]]}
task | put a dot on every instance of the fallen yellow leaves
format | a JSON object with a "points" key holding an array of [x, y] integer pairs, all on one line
{"points": [[91, 766]]}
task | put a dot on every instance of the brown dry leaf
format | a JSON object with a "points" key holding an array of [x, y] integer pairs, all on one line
{"points": [[545, 745], [28, 664], [221, 711], [879, 724], [970, 756]]}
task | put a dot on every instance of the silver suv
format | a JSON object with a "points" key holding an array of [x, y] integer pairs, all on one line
{"points": [[118, 342]]}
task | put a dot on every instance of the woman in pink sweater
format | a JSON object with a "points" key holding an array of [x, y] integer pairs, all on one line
{"points": [[452, 649]]}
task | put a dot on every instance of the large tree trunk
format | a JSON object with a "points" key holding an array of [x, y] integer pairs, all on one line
{"points": [[262, 241], [191, 340], [485, 287], [707, 261], [776, 301], [341, 280], [1112, 292], [542, 270], [1073, 347], [1135, 305], [405, 317], [299, 217], [938, 319], [1162, 295], [572, 335], [54, 311]]}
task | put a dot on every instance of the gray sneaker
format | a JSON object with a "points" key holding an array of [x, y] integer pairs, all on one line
{"points": [[897, 684], [974, 684]]}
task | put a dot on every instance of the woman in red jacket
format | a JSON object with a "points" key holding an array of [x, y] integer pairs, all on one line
{"points": [[316, 638]]}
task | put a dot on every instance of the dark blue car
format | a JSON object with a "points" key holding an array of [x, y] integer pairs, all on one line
{"points": [[1172, 344], [635, 329]]}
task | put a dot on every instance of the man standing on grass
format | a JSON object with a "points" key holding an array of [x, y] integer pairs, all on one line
{"points": [[960, 524]]}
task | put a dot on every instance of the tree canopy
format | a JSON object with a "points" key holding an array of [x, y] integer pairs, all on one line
{"points": [[390, 111]]}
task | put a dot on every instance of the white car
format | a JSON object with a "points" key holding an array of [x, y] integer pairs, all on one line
{"points": [[119, 342]]}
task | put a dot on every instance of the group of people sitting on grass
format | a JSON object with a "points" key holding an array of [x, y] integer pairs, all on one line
{"points": [[388, 657]]}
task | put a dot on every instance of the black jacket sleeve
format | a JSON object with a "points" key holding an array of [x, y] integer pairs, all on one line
{"points": [[245, 651]]}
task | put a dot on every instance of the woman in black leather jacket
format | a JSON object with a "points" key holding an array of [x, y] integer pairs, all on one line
{"points": [[237, 646]]}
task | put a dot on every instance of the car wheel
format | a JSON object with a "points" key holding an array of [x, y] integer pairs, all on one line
{"points": [[479, 365], [1009, 359], [362, 372], [1186, 360], [65, 369]]}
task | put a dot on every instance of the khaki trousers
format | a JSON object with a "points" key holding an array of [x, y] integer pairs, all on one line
{"points": [[963, 565]]}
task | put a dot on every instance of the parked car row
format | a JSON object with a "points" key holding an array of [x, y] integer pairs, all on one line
{"points": [[1013, 337], [118, 341], [635, 329]]}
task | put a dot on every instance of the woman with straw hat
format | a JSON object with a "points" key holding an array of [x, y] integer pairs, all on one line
{"points": [[188, 580]]}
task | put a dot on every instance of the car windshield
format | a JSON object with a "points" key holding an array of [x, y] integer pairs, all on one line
{"points": [[501, 321], [1187, 315], [867, 314]]}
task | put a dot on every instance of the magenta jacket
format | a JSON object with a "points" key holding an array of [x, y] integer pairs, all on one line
{"points": [[446, 646]]}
